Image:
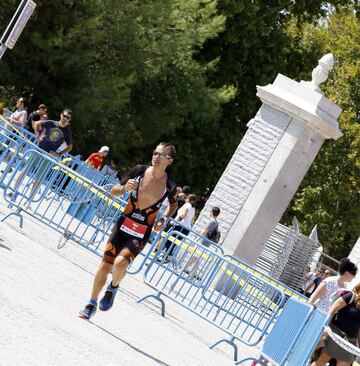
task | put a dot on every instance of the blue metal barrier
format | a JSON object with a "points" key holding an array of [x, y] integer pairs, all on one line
{"points": [[191, 270], [9, 150], [227, 296], [31, 188], [294, 336]]}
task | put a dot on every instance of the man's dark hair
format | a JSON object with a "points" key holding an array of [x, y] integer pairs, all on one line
{"points": [[186, 190], [347, 266], [215, 211], [42, 106], [171, 148], [69, 111], [24, 101]]}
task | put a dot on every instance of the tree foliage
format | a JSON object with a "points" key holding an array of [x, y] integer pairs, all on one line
{"points": [[330, 194]]}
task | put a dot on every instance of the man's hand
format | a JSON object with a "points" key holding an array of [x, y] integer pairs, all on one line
{"points": [[131, 185], [54, 153], [39, 139], [159, 224]]}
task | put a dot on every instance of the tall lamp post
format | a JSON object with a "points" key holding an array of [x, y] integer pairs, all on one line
{"points": [[16, 25]]}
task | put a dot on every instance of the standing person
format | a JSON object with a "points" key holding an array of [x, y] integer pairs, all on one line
{"points": [[149, 186], [313, 282], [327, 274], [185, 191], [186, 216], [19, 117], [322, 294], [53, 134], [212, 227], [110, 170], [345, 314], [96, 159], [36, 116]]}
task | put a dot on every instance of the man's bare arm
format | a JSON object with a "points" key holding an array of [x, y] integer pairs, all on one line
{"points": [[170, 210]]}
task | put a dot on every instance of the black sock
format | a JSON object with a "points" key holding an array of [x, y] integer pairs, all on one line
{"points": [[112, 286]]}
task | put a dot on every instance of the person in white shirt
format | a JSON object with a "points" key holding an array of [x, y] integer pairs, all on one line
{"points": [[186, 213], [19, 117], [186, 216]]}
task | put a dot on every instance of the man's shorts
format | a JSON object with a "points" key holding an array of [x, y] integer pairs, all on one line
{"points": [[121, 243]]}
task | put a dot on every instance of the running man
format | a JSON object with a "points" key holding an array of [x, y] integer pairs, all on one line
{"points": [[149, 186]]}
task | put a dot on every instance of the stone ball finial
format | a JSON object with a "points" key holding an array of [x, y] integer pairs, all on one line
{"points": [[320, 73]]}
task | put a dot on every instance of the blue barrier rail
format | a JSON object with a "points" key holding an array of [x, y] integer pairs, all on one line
{"points": [[83, 212], [294, 336], [219, 291], [71, 197]]}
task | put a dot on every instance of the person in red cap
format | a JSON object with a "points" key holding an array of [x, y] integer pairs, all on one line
{"points": [[96, 159]]}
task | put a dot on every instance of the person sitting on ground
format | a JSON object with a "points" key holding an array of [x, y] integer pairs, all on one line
{"points": [[96, 159], [345, 314]]}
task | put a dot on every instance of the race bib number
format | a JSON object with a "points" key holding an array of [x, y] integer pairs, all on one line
{"points": [[133, 228]]}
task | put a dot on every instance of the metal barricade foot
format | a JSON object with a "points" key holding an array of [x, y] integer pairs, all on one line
{"points": [[256, 361], [156, 297], [229, 341], [21, 219]]}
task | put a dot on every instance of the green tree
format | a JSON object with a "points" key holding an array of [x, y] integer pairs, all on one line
{"points": [[330, 193], [50, 61], [251, 50]]}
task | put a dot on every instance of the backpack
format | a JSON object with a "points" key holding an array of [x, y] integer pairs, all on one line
{"points": [[215, 234], [341, 292]]}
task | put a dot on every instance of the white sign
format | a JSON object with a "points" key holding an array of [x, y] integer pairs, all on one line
{"points": [[15, 30]]}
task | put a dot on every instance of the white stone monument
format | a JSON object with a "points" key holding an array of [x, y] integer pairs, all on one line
{"points": [[272, 159]]}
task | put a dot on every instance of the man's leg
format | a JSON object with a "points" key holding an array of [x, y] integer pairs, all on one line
{"points": [[119, 271], [98, 284], [100, 279], [121, 262]]}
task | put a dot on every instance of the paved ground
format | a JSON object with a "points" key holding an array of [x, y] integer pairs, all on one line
{"points": [[43, 288]]}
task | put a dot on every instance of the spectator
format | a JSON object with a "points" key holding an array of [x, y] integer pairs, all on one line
{"points": [[36, 116], [345, 314], [327, 274], [19, 117], [186, 216], [312, 282], [96, 159], [53, 134], [212, 227], [185, 191], [210, 232], [110, 170], [321, 295]]}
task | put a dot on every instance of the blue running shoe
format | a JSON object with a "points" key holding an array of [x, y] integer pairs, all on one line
{"points": [[107, 301], [88, 312]]}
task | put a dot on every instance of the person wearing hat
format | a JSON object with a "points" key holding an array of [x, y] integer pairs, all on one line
{"points": [[96, 159]]}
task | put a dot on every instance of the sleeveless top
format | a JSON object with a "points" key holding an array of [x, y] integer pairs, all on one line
{"points": [[146, 216], [332, 285]]}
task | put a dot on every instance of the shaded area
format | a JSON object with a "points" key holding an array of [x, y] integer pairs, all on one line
{"points": [[131, 346]]}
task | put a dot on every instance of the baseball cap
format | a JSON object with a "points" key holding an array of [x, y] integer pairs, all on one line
{"points": [[104, 149]]}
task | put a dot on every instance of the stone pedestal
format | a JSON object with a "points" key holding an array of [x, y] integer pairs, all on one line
{"points": [[268, 166]]}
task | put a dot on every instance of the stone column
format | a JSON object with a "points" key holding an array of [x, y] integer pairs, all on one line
{"points": [[272, 159]]}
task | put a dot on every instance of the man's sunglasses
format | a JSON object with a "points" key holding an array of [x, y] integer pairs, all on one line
{"points": [[161, 155], [66, 116]]}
